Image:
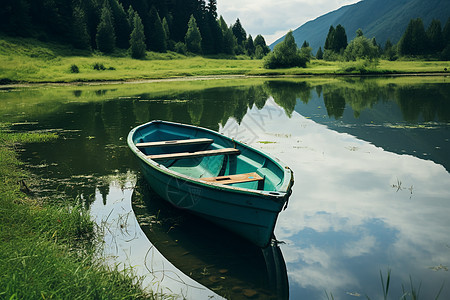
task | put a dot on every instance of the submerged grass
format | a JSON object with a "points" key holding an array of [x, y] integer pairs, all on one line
{"points": [[48, 251]]}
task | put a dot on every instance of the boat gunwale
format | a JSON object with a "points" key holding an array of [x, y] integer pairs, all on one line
{"points": [[281, 194]]}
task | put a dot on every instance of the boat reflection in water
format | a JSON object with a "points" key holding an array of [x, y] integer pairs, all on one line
{"points": [[218, 259]]}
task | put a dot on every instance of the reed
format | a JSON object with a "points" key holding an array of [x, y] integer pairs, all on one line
{"points": [[411, 293]]}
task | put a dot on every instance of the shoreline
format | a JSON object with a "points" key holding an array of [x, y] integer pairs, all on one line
{"points": [[11, 85]]}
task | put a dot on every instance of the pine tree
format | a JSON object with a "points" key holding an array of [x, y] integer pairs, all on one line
{"points": [[446, 33], [80, 35], [212, 8], [92, 11], [207, 37], [414, 40], [213, 28], [306, 50], [165, 26], [319, 54], [228, 40], [130, 17], [330, 38], [157, 35], [389, 52], [15, 17], [106, 38], [260, 41], [53, 16], [250, 46], [193, 38], [223, 25], [137, 38], [217, 35], [359, 32], [239, 32], [340, 39], [435, 37], [122, 28]]}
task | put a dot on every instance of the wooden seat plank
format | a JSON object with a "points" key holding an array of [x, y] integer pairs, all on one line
{"points": [[180, 155], [238, 178], [176, 142]]}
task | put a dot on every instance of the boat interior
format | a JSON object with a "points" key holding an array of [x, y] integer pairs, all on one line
{"points": [[212, 159]]}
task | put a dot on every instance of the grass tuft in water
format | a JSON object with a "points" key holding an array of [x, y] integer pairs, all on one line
{"points": [[412, 293], [385, 287], [330, 296]]}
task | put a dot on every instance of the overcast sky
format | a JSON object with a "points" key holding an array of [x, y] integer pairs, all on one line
{"points": [[272, 18]]}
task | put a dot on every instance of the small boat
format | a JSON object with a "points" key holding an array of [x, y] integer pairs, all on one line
{"points": [[213, 176]]}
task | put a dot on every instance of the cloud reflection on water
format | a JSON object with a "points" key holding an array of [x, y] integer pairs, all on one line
{"points": [[126, 245], [355, 210]]}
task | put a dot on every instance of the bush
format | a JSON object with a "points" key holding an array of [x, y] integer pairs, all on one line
{"points": [[360, 48], [181, 48], [360, 66], [74, 69], [286, 55], [99, 67], [330, 55]]}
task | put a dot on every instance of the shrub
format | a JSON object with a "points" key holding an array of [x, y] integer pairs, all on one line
{"points": [[74, 69], [360, 48], [330, 55], [181, 48], [360, 66], [99, 67], [286, 55]]}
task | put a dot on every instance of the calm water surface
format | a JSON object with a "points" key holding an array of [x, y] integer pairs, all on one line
{"points": [[371, 160]]}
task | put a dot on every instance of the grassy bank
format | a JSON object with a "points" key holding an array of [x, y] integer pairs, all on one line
{"points": [[48, 251], [27, 60]]}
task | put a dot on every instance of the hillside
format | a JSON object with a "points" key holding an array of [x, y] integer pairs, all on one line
{"points": [[382, 19]]}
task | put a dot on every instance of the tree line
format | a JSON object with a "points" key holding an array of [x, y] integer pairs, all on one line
{"points": [[432, 43], [137, 25]]}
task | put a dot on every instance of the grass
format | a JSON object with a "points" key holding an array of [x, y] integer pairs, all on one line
{"points": [[48, 251], [29, 60], [413, 293]]}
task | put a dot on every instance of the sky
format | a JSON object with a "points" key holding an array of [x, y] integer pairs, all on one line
{"points": [[273, 19]]}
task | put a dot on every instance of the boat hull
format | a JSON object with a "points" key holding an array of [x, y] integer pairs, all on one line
{"points": [[246, 212]]}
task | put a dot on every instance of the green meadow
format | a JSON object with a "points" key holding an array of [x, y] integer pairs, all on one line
{"points": [[31, 61]]}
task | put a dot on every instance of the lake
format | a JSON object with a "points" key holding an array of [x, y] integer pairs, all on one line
{"points": [[371, 161]]}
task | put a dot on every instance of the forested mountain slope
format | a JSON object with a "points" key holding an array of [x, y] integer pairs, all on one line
{"points": [[382, 19]]}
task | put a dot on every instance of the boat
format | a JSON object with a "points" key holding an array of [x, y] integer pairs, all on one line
{"points": [[213, 176]]}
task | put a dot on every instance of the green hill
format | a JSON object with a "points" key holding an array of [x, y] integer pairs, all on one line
{"points": [[382, 19]]}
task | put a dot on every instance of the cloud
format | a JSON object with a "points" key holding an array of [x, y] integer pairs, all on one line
{"points": [[273, 19]]}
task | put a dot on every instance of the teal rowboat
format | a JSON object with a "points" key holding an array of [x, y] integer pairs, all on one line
{"points": [[213, 176]]}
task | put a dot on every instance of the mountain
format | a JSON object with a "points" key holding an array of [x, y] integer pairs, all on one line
{"points": [[382, 19]]}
